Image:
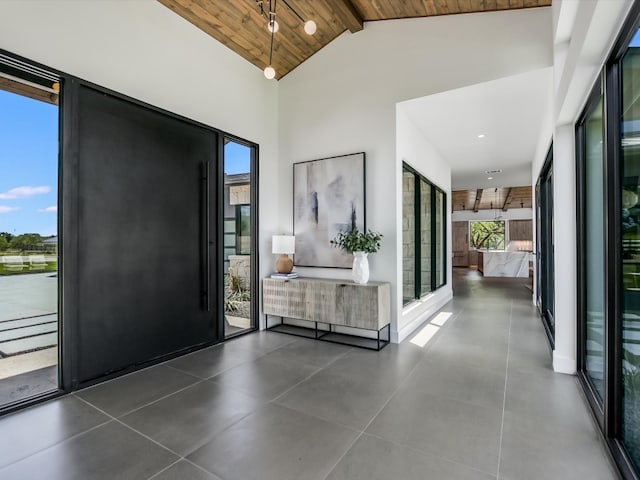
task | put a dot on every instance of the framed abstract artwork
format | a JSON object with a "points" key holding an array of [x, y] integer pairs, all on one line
{"points": [[328, 197]]}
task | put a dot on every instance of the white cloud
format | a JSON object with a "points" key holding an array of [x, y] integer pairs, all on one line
{"points": [[4, 209], [24, 192], [48, 209]]}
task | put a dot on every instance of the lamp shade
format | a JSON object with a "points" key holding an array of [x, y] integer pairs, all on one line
{"points": [[283, 244]]}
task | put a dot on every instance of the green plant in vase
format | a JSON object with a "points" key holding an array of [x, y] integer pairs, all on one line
{"points": [[360, 244]]}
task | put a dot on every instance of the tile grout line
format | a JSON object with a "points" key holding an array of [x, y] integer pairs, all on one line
{"points": [[319, 369], [132, 429], [128, 412], [359, 436], [428, 454], [504, 398], [164, 469], [79, 434]]}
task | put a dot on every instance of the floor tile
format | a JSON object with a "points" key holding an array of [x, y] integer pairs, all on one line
{"points": [[107, 452], [265, 378], [464, 383], [533, 450], [392, 364], [275, 443], [263, 342], [28, 431], [346, 399], [184, 470], [468, 354], [549, 396], [123, 394], [311, 352], [372, 458], [214, 360], [188, 419], [457, 431]]}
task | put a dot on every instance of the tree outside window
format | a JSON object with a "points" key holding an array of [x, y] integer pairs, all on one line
{"points": [[488, 235]]}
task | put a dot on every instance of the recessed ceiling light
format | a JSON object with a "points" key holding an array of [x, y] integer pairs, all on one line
{"points": [[489, 178], [482, 135]]}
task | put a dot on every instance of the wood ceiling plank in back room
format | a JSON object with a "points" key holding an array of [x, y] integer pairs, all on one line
{"points": [[491, 199], [239, 25]]}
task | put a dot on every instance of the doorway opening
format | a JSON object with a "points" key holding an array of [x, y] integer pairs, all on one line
{"points": [[29, 157]]}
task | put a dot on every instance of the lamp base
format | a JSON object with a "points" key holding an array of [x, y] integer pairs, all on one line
{"points": [[284, 264]]}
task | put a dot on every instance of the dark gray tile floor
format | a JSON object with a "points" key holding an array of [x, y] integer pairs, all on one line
{"points": [[477, 401]]}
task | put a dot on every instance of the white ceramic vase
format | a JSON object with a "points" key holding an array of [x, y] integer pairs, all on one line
{"points": [[360, 270]]}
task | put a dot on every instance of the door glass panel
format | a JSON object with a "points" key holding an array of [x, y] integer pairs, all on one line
{"points": [[238, 236], [425, 237], [594, 250], [408, 237], [28, 243], [630, 228]]}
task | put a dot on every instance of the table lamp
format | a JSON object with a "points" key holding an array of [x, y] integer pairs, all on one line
{"points": [[283, 245]]}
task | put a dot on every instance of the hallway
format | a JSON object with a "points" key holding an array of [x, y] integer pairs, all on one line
{"points": [[470, 396]]}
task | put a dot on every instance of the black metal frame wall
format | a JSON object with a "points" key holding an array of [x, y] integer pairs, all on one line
{"points": [[418, 178], [608, 412], [69, 204]]}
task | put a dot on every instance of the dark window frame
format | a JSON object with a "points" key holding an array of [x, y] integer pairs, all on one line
{"points": [[608, 413], [434, 190], [545, 281]]}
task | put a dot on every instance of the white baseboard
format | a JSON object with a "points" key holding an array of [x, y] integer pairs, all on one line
{"points": [[563, 364], [416, 313]]}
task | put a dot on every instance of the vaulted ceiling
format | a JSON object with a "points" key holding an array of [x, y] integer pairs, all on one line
{"points": [[239, 25]]}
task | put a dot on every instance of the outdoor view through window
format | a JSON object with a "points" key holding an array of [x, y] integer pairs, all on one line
{"points": [[28, 243]]}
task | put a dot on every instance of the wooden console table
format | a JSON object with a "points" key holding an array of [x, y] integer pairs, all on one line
{"points": [[329, 303]]}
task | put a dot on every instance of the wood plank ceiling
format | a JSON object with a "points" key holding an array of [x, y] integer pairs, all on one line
{"points": [[502, 198], [239, 25]]}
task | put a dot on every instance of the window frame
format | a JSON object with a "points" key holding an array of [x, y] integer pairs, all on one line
{"points": [[418, 178]]}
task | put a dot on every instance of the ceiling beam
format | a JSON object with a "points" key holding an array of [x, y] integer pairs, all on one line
{"points": [[508, 200], [476, 205], [28, 90], [347, 14]]}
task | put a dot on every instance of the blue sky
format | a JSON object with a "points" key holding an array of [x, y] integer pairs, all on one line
{"points": [[237, 158], [29, 165]]}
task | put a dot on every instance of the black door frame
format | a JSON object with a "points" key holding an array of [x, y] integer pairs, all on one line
{"points": [[609, 83], [545, 247], [68, 207]]}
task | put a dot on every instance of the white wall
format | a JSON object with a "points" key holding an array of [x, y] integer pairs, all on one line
{"points": [[343, 100], [413, 148], [144, 50]]}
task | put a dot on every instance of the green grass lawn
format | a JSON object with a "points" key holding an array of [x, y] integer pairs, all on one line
{"points": [[52, 266]]}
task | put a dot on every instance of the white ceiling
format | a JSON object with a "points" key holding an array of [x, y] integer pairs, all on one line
{"points": [[508, 111]]}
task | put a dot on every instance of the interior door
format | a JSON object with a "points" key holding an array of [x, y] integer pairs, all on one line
{"points": [[144, 254], [460, 244]]}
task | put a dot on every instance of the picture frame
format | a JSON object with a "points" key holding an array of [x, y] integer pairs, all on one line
{"points": [[328, 197]]}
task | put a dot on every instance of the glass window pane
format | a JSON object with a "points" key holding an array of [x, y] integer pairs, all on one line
{"points": [[594, 250], [237, 238], [630, 228], [425, 237], [487, 235], [28, 246], [408, 237]]}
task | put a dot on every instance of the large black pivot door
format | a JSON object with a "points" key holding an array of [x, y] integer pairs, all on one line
{"points": [[140, 276]]}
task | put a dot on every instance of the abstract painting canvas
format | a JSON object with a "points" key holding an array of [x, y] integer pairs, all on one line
{"points": [[328, 197]]}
